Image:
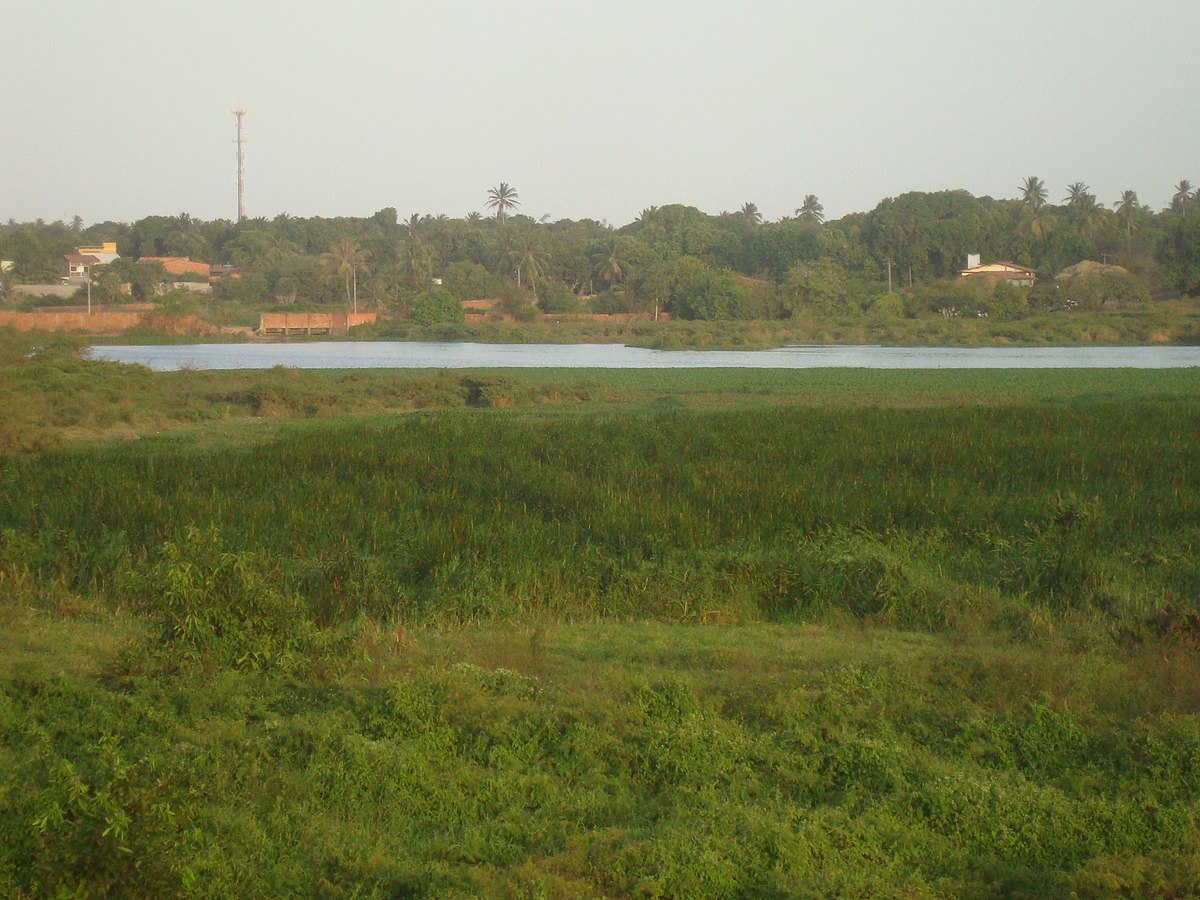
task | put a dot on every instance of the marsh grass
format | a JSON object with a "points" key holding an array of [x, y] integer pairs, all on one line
{"points": [[646, 759], [931, 634]]}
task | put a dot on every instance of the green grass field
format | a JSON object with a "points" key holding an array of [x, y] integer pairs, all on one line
{"points": [[561, 634]]}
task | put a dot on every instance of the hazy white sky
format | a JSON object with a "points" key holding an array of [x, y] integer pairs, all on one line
{"points": [[598, 110]]}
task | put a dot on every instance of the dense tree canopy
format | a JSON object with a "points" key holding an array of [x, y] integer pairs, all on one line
{"points": [[674, 257]]}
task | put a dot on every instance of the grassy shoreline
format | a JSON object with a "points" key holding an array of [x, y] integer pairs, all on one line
{"points": [[1161, 322]]}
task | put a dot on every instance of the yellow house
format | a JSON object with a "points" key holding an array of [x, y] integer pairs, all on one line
{"points": [[81, 261], [1008, 272], [105, 253]]}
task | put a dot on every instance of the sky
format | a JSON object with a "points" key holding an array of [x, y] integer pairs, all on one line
{"points": [[589, 110]]}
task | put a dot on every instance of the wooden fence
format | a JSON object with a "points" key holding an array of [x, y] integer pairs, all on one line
{"points": [[312, 323]]}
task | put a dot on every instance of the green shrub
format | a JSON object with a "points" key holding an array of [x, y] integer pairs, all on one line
{"points": [[437, 307], [215, 604]]}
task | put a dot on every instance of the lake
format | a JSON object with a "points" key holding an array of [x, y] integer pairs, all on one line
{"points": [[453, 355]]}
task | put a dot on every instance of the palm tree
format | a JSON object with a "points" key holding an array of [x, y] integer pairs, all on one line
{"points": [[750, 213], [416, 259], [345, 259], [812, 210], [184, 236], [252, 249], [609, 264], [1035, 223], [1033, 191], [1089, 216], [646, 214], [531, 258], [1127, 211], [1077, 194], [503, 253], [1183, 193], [502, 198], [474, 218]]}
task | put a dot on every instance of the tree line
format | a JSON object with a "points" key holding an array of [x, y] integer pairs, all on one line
{"points": [[903, 256]]}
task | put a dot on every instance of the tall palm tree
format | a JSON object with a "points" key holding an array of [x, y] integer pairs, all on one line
{"points": [[252, 249], [532, 259], [609, 262], [502, 198], [750, 213], [1127, 211], [1183, 193], [184, 236], [409, 227], [416, 259], [1077, 194], [1089, 216], [503, 253], [1035, 223], [646, 214], [811, 210], [346, 259], [1033, 191]]}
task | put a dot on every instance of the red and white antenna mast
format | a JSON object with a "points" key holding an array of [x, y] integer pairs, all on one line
{"points": [[241, 158]]}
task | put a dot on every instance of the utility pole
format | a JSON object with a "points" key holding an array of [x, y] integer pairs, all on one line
{"points": [[241, 163]]}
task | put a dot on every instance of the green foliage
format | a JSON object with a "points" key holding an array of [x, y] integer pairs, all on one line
{"points": [[1008, 302], [820, 285], [557, 298], [1110, 288], [469, 281], [776, 634], [1181, 254], [700, 292], [436, 307], [214, 604], [517, 303], [888, 306]]}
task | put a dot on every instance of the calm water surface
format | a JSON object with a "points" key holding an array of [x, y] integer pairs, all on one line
{"points": [[427, 355]]}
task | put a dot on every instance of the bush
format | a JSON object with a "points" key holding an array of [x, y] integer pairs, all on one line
{"points": [[469, 281], [437, 307], [558, 298], [212, 603], [607, 303], [516, 303], [1110, 288], [702, 292], [888, 306], [1009, 302]]}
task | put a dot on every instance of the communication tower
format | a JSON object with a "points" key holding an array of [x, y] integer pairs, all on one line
{"points": [[241, 159]]}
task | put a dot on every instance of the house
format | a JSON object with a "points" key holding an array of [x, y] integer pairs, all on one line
{"points": [[78, 265], [80, 262], [105, 253], [180, 265], [216, 273], [994, 273]]}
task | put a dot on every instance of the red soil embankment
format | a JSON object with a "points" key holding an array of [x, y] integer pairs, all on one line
{"points": [[105, 323]]}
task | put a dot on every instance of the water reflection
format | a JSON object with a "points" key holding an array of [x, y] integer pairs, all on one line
{"points": [[433, 355]]}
